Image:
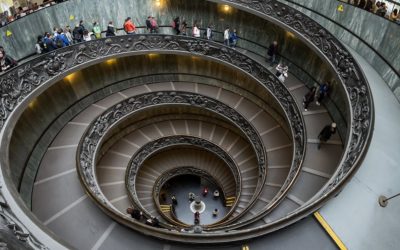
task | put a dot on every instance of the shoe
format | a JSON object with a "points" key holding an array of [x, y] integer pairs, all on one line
{"points": [[318, 104], [305, 110]]}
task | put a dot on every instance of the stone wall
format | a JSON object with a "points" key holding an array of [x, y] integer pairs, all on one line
{"points": [[369, 32]]}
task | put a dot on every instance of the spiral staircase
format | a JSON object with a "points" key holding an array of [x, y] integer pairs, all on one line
{"points": [[111, 168], [143, 109]]}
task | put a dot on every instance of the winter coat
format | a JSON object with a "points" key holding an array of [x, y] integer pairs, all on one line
{"points": [[110, 30]]}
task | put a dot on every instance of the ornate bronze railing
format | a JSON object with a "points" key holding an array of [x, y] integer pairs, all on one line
{"points": [[21, 84], [163, 143], [92, 139]]}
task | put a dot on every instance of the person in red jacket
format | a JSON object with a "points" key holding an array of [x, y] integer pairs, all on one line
{"points": [[129, 27]]}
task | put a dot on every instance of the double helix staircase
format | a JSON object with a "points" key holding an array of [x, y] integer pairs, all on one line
{"points": [[66, 206]]}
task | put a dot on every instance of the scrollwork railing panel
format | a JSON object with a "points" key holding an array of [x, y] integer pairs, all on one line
{"points": [[348, 71], [153, 147]]}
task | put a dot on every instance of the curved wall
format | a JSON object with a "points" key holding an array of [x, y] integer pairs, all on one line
{"points": [[370, 32]]}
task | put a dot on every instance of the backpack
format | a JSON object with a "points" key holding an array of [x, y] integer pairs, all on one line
{"points": [[59, 42]]}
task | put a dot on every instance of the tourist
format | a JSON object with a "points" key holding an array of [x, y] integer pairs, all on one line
{"points": [[381, 11], [176, 24], [87, 36], [321, 93], [369, 6], [154, 222], [153, 25], [96, 30], [215, 212], [6, 62], [272, 52], [61, 40], [110, 29], [205, 191], [39, 46], [226, 36], [183, 28], [282, 72], [55, 32], [233, 38], [77, 34], [49, 42], [326, 133], [209, 33], [195, 31], [81, 26], [135, 213], [67, 32], [394, 16], [309, 98], [129, 26], [361, 4], [174, 200], [192, 196], [197, 218], [148, 24]]}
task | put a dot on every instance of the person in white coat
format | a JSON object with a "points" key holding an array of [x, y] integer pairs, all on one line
{"points": [[196, 31], [226, 36]]}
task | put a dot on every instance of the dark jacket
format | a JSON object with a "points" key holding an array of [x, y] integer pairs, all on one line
{"points": [[309, 97], [77, 34], [110, 31], [49, 43], [61, 38], [326, 133], [272, 50], [148, 24], [7, 64]]}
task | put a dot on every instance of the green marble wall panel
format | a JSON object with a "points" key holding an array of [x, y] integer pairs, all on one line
{"points": [[380, 34]]}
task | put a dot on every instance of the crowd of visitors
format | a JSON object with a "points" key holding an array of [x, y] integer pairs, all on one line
{"points": [[61, 37], [378, 7], [15, 13]]}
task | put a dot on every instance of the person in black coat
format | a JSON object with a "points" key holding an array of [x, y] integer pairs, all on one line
{"points": [[135, 213], [272, 52], [6, 62], [110, 29], [49, 42], [77, 34], [309, 98], [148, 23], [326, 133]]}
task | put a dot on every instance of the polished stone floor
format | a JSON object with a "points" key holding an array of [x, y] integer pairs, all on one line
{"points": [[181, 186]]}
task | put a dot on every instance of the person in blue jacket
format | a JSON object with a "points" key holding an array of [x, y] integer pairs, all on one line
{"points": [[233, 38], [61, 40]]}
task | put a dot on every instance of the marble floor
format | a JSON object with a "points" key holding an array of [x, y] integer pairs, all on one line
{"points": [[181, 186]]}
